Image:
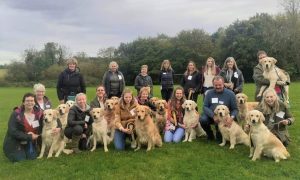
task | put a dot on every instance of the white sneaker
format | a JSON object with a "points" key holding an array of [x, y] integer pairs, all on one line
{"points": [[133, 144]]}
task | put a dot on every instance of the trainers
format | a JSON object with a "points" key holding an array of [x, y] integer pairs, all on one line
{"points": [[133, 144]]}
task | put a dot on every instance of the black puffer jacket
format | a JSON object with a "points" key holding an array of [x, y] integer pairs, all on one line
{"points": [[166, 79], [69, 84]]}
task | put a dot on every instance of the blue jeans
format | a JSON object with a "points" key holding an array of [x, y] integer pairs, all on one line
{"points": [[119, 140], [174, 136], [23, 152]]}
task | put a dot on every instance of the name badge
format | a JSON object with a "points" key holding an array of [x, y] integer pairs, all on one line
{"points": [[280, 114], [190, 77], [47, 106], [120, 77], [236, 75], [214, 100], [132, 112], [87, 118], [164, 73], [35, 124], [221, 102]]}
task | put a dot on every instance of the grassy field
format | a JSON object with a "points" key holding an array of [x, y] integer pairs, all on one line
{"points": [[197, 160]]}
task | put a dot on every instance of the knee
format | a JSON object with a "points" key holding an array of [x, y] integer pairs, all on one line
{"points": [[168, 137], [77, 130]]}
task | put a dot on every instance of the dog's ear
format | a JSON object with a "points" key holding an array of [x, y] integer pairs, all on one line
{"points": [[55, 113], [261, 116], [246, 97], [226, 110], [274, 60], [194, 104], [216, 110], [183, 105], [248, 116], [91, 112], [101, 111], [148, 110]]}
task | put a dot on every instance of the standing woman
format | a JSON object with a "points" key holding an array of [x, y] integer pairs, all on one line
{"points": [[113, 80], [234, 79], [70, 82], [209, 71], [174, 130], [24, 128], [191, 82], [143, 80], [124, 115], [42, 101], [166, 77], [99, 100]]}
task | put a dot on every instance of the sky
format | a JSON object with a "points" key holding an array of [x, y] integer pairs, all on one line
{"points": [[90, 25]]}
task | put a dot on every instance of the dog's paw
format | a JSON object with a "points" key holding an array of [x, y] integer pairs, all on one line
{"points": [[49, 157], [190, 140], [93, 149], [136, 149], [222, 144], [231, 147], [40, 157], [106, 150], [184, 140]]}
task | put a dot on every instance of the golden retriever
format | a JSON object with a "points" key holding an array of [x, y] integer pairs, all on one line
{"points": [[147, 132], [160, 116], [244, 107], [99, 129], [234, 134], [191, 121], [63, 111], [263, 140], [274, 74], [153, 100], [70, 103], [51, 140], [109, 114]]}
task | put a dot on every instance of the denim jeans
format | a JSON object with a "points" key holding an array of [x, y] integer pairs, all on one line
{"points": [[174, 136]]}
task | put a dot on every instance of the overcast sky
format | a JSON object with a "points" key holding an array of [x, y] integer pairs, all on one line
{"points": [[88, 25]]}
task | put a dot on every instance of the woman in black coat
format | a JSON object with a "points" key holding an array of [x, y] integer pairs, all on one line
{"points": [[70, 82]]}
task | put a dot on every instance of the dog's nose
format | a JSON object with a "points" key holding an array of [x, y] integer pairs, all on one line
{"points": [[139, 117], [253, 121], [241, 102], [95, 117], [220, 114]]}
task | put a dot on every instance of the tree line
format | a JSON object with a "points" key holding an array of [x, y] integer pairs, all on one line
{"points": [[278, 35]]}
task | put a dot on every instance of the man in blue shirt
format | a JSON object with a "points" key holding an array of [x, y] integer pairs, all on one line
{"points": [[214, 97]]}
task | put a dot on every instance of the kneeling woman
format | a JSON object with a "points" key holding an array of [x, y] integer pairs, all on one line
{"points": [[24, 128], [125, 115], [277, 115], [174, 130], [79, 123]]}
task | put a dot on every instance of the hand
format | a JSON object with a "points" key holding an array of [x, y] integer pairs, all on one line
{"points": [[182, 125], [56, 130], [280, 83], [191, 90], [127, 131], [216, 119], [33, 136], [194, 125], [228, 122], [85, 126], [284, 122]]}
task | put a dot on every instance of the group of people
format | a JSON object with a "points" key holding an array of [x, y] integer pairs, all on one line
{"points": [[218, 86]]}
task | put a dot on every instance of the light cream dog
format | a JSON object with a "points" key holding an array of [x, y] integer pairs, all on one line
{"points": [[63, 111], [233, 133], [263, 141], [274, 74], [70, 103], [51, 140], [99, 127], [244, 107], [160, 115], [147, 132], [191, 121]]}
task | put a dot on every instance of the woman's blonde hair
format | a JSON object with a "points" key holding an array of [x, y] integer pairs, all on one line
{"points": [[266, 109], [72, 61], [187, 68], [38, 87], [213, 68], [122, 102], [163, 63]]}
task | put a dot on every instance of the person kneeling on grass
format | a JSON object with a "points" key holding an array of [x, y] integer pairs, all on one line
{"points": [[24, 129], [174, 130], [79, 124], [124, 120], [277, 115]]}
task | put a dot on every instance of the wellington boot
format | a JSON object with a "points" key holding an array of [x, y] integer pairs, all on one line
{"points": [[74, 144]]}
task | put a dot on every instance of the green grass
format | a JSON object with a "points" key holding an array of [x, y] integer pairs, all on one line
{"points": [[196, 160]]}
